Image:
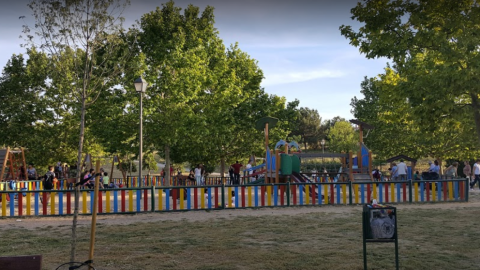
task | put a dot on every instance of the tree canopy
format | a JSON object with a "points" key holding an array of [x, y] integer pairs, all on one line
{"points": [[433, 46]]}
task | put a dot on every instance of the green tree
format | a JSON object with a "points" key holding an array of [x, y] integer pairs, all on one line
{"points": [[398, 131], [203, 99], [85, 52], [309, 127], [433, 45], [176, 48], [342, 137]]}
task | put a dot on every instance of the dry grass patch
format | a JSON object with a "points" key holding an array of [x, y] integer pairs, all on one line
{"points": [[442, 236]]}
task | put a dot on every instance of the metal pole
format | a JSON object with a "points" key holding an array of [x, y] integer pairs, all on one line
{"points": [[140, 156]]}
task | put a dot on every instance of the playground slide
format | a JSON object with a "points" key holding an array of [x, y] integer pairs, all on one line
{"points": [[256, 173], [257, 182], [298, 178]]}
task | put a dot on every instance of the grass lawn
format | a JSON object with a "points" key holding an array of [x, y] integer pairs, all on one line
{"points": [[431, 236]]}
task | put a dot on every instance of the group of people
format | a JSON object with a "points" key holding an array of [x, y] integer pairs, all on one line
{"points": [[88, 179], [473, 174], [234, 172], [399, 171]]}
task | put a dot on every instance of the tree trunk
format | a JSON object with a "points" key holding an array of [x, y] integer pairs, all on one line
{"points": [[167, 165], [77, 188], [222, 167], [476, 113]]}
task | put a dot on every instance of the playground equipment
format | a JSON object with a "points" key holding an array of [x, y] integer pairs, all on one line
{"points": [[10, 161], [284, 166]]}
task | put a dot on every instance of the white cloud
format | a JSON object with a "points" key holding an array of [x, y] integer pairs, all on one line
{"points": [[294, 77]]}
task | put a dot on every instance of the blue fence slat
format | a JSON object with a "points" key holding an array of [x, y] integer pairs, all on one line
{"points": [[301, 188], [209, 198], [439, 190], [92, 194], [320, 190], [275, 195], [37, 199], [237, 195], [256, 195], [12, 204], [167, 199], [115, 201], [139, 198], [422, 193], [60, 203], [380, 193], [189, 193]]}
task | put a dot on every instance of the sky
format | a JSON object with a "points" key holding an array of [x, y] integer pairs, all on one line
{"points": [[297, 44]]}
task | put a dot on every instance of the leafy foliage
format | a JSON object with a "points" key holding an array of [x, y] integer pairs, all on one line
{"points": [[433, 45], [342, 138]]}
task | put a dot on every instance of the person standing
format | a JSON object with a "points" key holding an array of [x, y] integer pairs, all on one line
{"points": [[402, 170], [49, 180], [476, 172], [451, 171], [31, 172], [198, 175], [231, 174], [467, 171], [436, 167], [236, 172], [394, 172], [249, 170], [432, 166], [105, 180]]}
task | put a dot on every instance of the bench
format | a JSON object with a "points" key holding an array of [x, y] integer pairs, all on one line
{"points": [[28, 262]]}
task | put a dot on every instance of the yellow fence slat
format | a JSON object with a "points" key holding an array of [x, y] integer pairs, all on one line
{"points": [[52, 203], [416, 191], [130, 200], [374, 191], [325, 193], [202, 199], [107, 201], [434, 194], [181, 198], [450, 190], [229, 197], [344, 194], [160, 199], [307, 194]]}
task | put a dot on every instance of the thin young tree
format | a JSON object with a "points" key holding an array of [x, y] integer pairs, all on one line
{"points": [[85, 44]]}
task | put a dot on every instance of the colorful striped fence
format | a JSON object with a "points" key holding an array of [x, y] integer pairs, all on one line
{"points": [[148, 199]]}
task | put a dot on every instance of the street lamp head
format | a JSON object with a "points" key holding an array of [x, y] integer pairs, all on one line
{"points": [[322, 142], [140, 85]]}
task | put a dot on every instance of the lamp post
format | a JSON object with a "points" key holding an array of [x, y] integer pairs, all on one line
{"points": [[140, 87]]}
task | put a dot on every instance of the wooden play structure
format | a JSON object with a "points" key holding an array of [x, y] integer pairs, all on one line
{"points": [[11, 159]]}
